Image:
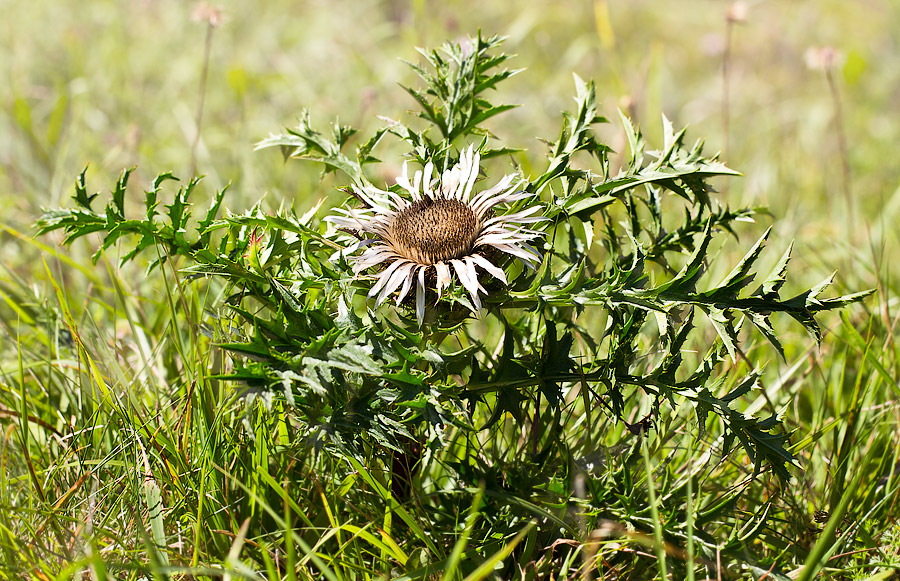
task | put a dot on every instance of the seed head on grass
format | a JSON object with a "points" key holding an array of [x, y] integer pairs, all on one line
{"points": [[444, 223]]}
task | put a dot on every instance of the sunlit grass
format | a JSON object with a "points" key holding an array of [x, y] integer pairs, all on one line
{"points": [[105, 388]]}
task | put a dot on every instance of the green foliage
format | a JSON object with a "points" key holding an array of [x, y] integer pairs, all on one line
{"points": [[608, 327], [165, 235], [370, 380]]}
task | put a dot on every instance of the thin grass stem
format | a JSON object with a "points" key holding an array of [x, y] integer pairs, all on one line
{"points": [[659, 544]]}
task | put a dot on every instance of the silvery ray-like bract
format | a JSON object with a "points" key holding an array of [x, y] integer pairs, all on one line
{"points": [[444, 224]]}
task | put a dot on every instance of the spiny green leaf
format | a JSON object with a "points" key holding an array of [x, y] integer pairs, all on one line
{"points": [[81, 196], [741, 275], [773, 283]]}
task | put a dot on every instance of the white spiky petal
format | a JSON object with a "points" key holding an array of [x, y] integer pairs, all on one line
{"points": [[442, 225]]}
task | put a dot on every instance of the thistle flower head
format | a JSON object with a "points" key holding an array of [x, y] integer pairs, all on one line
{"points": [[444, 224]]}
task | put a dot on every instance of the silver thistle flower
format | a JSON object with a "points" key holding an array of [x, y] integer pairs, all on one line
{"points": [[445, 224]]}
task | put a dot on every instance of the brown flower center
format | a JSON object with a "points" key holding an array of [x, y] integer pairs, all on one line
{"points": [[434, 230]]}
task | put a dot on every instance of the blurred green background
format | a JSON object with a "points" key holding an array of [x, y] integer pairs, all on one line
{"points": [[115, 84]]}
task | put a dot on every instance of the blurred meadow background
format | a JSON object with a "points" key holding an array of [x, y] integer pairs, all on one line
{"points": [[113, 85], [800, 96]]}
